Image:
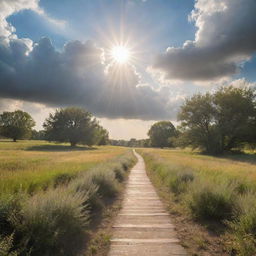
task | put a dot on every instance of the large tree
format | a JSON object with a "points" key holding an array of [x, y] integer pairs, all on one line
{"points": [[73, 125], [219, 121], [160, 134], [16, 125]]}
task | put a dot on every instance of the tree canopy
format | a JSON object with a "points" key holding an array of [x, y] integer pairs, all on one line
{"points": [[16, 125], [219, 121], [102, 136], [160, 134], [73, 125]]}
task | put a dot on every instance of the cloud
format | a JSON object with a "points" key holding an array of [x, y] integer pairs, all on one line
{"points": [[243, 83], [78, 75], [224, 40], [8, 7]]}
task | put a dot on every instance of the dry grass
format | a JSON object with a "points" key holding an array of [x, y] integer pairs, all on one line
{"points": [[216, 194], [242, 166], [29, 165]]}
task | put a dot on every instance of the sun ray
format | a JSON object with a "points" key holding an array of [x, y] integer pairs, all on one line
{"points": [[120, 54]]}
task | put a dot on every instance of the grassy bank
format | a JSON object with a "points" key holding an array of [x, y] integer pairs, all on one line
{"points": [[57, 221], [216, 193], [31, 165]]}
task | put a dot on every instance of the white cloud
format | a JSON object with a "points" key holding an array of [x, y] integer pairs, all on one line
{"points": [[225, 38]]}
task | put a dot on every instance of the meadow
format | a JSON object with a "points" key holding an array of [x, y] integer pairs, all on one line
{"points": [[69, 188], [217, 192], [31, 165]]}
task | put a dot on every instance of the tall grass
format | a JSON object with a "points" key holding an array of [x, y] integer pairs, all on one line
{"points": [[219, 197], [33, 165], [55, 222]]}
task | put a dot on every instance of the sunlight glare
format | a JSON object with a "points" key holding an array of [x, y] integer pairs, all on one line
{"points": [[120, 54]]}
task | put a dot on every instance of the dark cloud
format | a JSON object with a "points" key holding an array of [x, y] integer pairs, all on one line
{"points": [[224, 40], [77, 75]]}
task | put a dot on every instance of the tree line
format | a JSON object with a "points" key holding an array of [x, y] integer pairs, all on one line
{"points": [[214, 122], [72, 125]]}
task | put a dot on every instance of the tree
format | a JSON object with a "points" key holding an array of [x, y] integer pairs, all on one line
{"points": [[38, 135], [73, 125], [160, 134], [235, 112], [102, 136], [219, 121], [16, 125], [197, 116]]}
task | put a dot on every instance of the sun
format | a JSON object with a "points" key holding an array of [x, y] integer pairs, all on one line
{"points": [[120, 54]]}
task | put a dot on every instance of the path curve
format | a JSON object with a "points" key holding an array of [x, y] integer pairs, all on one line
{"points": [[143, 227]]}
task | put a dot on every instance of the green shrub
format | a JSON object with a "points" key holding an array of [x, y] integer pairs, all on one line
{"points": [[212, 202], [244, 226], [52, 223], [105, 180], [6, 246], [84, 185], [9, 206], [242, 188], [119, 173], [187, 177], [62, 179], [179, 183], [127, 160], [55, 221]]}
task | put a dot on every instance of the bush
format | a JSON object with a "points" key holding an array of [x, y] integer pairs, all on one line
{"points": [[55, 221], [9, 206], [6, 244], [52, 223], [105, 180], [84, 185], [62, 179], [179, 183], [212, 203], [244, 226]]}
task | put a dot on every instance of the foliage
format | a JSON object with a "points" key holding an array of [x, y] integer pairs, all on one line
{"points": [[73, 125], [219, 121], [212, 202], [160, 134], [131, 143], [214, 190], [102, 136], [6, 246], [52, 223], [16, 125], [55, 221], [38, 135]]}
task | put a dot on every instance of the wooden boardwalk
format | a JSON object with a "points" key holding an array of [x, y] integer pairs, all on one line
{"points": [[143, 227]]}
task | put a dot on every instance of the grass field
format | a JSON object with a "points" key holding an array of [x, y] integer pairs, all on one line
{"points": [[237, 166], [213, 191], [29, 165], [81, 183]]}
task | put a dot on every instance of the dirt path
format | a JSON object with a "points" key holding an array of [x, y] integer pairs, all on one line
{"points": [[143, 227]]}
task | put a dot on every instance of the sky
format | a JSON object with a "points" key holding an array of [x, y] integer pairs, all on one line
{"points": [[64, 53]]}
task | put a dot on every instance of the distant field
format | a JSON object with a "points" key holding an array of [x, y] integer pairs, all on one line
{"points": [[242, 166], [29, 165]]}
